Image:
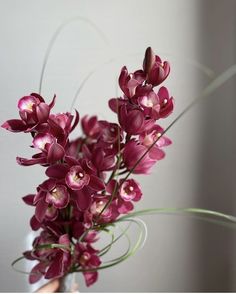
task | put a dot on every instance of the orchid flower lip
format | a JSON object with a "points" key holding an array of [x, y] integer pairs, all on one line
{"points": [[77, 178]]}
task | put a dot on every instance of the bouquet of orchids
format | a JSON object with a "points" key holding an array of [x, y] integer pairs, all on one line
{"points": [[82, 194], [89, 189]]}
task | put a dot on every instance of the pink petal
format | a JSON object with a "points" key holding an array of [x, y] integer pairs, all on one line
{"points": [[91, 237], [51, 213], [29, 199], [123, 76], [42, 111], [59, 266], [39, 97], [90, 278], [55, 129], [34, 223], [14, 125], [78, 229], [98, 157], [40, 210], [37, 272], [96, 183], [27, 103], [28, 255], [163, 93], [109, 162], [55, 153], [55, 270], [166, 67], [135, 121], [48, 185], [52, 103], [64, 240], [57, 171], [95, 260], [111, 186], [114, 104], [40, 141], [125, 207], [83, 199], [71, 160], [156, 153], [28, 162], [76, 121]]}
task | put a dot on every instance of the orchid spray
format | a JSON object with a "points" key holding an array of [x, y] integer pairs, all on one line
{"points": [[89, 186], [81, 195]]}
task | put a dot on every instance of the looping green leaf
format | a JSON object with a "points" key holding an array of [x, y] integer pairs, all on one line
{"points": [[57, 33], [13, 265], [130, 251]]}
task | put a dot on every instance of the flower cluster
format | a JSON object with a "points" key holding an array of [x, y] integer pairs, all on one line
{"points": [[82, 192]]}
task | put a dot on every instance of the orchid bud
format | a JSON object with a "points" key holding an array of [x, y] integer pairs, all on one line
{"points": [[149, 60]]}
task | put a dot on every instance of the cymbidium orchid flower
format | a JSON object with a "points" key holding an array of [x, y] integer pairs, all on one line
{"points": [[88, 259], [134, 150], [129, 82], [110, 132], [88, 186], [80, 175], [131, 120], [150, 136], [130, 190], [53, 263], [50, 194], [34, 112]]}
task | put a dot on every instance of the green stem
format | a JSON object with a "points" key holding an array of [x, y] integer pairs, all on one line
{"points": [[123, 172]]}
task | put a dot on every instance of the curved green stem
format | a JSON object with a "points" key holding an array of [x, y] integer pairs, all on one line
{"points": [[55, 36]]}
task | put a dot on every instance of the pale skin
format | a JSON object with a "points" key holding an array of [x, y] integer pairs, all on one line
{"points": [[50, 287], [53, 286]]}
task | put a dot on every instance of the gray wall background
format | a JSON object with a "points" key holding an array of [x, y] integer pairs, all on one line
{"points": [[181, 253]]}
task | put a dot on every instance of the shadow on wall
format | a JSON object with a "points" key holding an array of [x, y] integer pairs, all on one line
{"points": [[217, 149]]}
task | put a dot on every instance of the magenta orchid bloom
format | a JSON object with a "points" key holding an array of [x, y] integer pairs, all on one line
{"points": [[107, 213], [129, 82], [76, 178], [50, 197], [80, 175], [53, 263], [53, 141], [131, 120], [88, 186], [33, 111], [88, 259], [149, 137], [130, 190], [133, 151]]}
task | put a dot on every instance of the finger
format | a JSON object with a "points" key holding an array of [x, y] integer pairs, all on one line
{"points": [[50, 287]]}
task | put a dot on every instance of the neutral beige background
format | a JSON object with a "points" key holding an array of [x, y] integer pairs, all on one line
{"points": [[181, 253]]}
